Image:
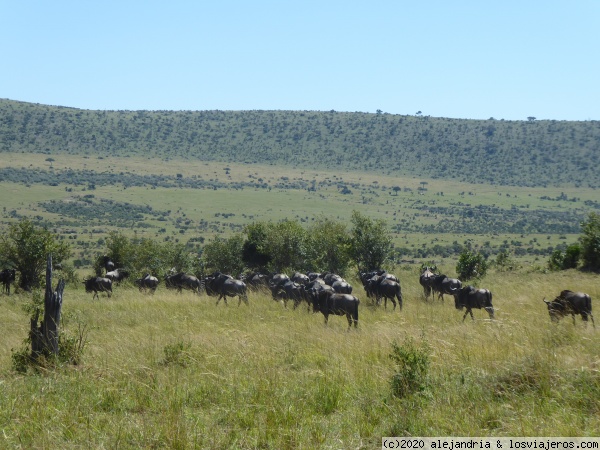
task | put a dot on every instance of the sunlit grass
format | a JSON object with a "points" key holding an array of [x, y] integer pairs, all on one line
{"points": [[174, 370]]}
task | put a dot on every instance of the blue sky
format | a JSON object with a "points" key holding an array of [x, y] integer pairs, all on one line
{"points": [[460, 59]]}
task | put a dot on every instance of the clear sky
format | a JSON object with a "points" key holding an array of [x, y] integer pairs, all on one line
{"points": [[461, 59]]}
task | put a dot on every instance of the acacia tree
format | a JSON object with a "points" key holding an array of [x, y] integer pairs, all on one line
{"points": [[25, 247], [370, 242]]}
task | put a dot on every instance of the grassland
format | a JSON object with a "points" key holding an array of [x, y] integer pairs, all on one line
{"points": [[176, 371], [420, 213]]}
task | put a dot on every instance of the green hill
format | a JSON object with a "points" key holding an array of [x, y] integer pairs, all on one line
{"points": [[512, 153]]}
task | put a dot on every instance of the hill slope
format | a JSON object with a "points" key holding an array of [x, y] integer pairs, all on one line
{"points": [[531, 153]]}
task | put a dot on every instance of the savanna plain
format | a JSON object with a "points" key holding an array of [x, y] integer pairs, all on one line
{"points": [[177, 371]]}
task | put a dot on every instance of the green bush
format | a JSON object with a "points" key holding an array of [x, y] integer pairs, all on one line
{"points": [[412, 365], [471, 265], [590, 242]]}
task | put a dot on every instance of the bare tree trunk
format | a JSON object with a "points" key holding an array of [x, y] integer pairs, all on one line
{"points": [[44, 339]]}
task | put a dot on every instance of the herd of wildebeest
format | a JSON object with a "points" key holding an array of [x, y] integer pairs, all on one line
{"points": [[327, 292]]}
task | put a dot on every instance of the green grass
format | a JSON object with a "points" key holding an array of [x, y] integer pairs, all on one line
{"points": [[207, 213], [176, 371]]}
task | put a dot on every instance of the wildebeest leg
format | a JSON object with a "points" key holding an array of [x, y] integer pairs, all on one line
{"points": [[584, 317], [467, 312], [349, 317]]}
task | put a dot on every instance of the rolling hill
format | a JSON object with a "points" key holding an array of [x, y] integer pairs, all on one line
{"points": [[494, 152]]}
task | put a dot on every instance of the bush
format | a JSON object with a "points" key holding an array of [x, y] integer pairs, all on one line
{"points": [[590, 242], [412, 364], [471, 265], [569, 259]]}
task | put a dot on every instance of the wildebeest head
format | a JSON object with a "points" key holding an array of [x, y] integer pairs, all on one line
{"points": [[557, 309]]}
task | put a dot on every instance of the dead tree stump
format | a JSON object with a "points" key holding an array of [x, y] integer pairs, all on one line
{"points": [[44, 338]]}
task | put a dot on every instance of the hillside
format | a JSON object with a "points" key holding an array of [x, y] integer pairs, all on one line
{"points": [[497, 152]]}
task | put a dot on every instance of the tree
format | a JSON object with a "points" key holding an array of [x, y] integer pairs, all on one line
{"points": [[590, 242], [254, 249], [224, 255], [25, 248], [329, 247], [370, 242], [287, 246], [471, 265]]}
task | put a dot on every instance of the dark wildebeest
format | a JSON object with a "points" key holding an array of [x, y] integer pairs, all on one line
{"points": [[331, 278], [445, 285], [256, 281], [569, 302], [147, 282], [328, 302], [226, 286], [426, 280], [182, 281], [278, 278], [7, 276], [107, 263], [342, 287], [386, 288], [288, 290], [470, 297], [98, 284], [300, 278], [117, 275]]}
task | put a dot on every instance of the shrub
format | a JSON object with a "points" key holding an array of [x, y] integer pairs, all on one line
{"points": [[471, 265], [412, 364], [590, 242]]}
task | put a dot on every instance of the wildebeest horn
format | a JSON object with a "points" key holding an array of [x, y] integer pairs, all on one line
{"points": [[546, 301]]}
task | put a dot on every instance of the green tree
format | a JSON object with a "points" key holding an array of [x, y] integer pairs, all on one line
{"points": [[287, 246], [26, 247], [471, 265], [224, 255], [254, 250], [370, 242], [590, 242], [329, 247]]}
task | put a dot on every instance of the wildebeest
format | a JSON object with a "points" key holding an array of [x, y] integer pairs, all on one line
{"points": [[182, 281], [7, 276], [569, 302], [445, 285], [256, 281], [108, 264], [288, 290], [226, 286], [117, 275], [98, 284], [328, 302], [470, 297], [147, 282], [386, 288], [331, 278], [426, 280], [299, 278], [342, 287]]}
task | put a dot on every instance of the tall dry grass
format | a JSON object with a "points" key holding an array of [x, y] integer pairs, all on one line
{"points": [[176, 371]]}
